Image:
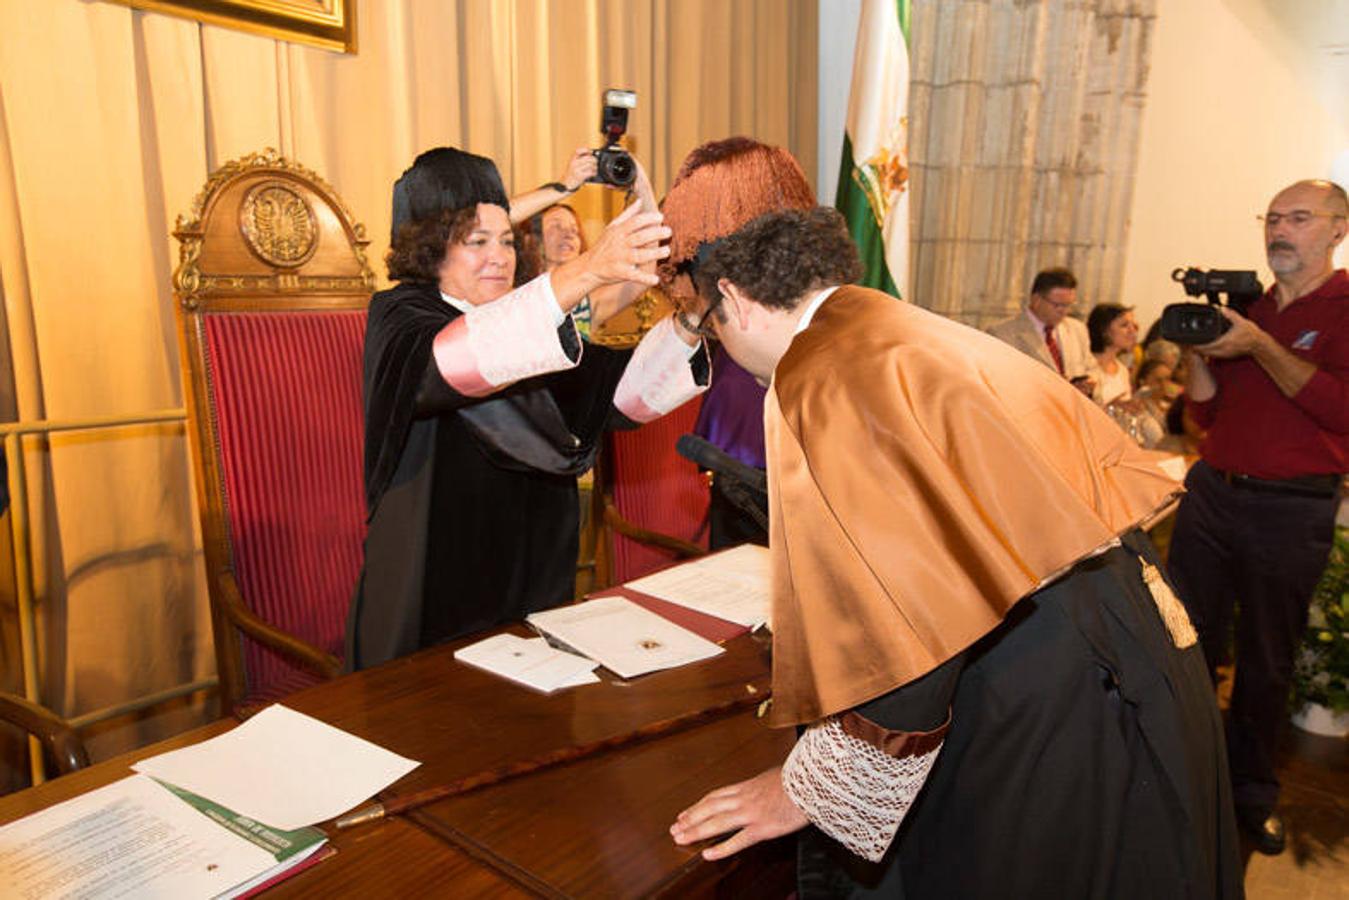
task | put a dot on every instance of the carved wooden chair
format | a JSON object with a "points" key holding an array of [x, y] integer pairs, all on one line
{"points": [[650, 502], [271, 290], [61, 742]]}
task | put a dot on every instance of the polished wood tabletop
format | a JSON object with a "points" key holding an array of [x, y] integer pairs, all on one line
{"points": [[595, 827], [459, 720], [390, 858]]}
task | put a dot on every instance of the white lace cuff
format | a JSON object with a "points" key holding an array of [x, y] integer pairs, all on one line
{"points": [[659, 377], [851, 790], [505, 341]]}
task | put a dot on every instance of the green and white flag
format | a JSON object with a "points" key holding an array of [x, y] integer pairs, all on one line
{"points": [[873, 184]]}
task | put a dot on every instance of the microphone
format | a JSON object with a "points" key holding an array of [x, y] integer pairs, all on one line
{"points": [[709, 456]]}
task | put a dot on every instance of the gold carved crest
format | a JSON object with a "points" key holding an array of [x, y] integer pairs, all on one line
{"points": [[278, 224]]}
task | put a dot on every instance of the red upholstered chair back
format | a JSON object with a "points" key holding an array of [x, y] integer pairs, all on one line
{"points": [[286, 392], [272, 290], [655, 501]]}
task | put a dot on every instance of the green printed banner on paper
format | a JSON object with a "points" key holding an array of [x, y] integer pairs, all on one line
{"points": [[281, 844]]}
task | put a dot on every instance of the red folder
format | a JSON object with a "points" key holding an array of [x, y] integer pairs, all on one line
{"points": [[711, 628], [325, 852]]}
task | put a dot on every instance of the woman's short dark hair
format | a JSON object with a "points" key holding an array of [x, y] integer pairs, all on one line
{"points": [[419, 246], [1098, 323], [779, 257]]}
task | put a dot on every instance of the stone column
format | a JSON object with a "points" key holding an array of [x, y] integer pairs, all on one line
{"points": [[1024, 136]]}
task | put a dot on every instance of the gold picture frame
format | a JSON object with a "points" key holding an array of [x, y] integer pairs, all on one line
{"points": [[330, 24]]}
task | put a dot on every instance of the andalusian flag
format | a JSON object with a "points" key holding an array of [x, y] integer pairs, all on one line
{"points": [[873, 185]]}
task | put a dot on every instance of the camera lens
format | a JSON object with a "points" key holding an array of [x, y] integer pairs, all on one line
{"points": [[622, 170], [617, 168]]}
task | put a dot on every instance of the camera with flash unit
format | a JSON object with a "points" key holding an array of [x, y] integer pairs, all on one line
{"points": [[615, 165], [1200, 323]]}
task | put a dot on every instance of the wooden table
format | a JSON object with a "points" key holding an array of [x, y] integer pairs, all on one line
{"points": [[597, 827]]}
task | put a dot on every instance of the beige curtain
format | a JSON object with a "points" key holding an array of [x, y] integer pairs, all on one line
{"points": [[110, 121], [1024, 140]]}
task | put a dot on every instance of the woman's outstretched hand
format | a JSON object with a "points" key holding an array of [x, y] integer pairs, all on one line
{"points": [[628, 247], [626, 251]]}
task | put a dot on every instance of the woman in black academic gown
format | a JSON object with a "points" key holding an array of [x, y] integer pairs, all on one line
{"points": [[482, 407]]}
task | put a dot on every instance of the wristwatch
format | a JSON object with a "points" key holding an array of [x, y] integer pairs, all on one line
{"points": [[562, 188]]}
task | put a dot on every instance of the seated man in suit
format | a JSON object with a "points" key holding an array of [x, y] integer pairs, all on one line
{"points": [[1044, 331]]}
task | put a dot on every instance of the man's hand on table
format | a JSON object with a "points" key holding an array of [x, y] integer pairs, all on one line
{"points": [[759, 808]]}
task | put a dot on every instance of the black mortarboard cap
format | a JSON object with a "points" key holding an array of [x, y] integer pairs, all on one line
{"points": [[445, 178]]}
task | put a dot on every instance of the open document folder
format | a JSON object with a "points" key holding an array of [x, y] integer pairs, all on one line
{"points": [[733, 584], [139, 838], [624, 638]]}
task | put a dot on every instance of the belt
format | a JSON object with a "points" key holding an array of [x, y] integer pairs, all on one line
{"points": [[1326, 486]]}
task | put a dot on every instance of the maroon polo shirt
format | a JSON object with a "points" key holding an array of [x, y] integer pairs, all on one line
{"points": [[1253, 429]]}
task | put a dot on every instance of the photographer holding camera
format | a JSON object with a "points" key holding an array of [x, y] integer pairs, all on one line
{"points": [[1256, 524], [550, 231], [554, 236]]}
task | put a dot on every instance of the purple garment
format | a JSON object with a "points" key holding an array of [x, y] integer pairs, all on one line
{"points": [[732, 412]]}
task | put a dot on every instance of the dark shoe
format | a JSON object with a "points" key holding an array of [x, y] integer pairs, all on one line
{"points": [[1265, 829]]}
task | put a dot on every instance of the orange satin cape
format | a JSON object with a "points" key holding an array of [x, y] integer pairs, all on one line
{"points": [[923, 477]]}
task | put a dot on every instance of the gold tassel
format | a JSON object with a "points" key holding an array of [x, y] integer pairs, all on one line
{"points": [[1169, 606]]}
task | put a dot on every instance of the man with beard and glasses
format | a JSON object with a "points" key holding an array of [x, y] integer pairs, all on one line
{"points": [[1255, 529]]}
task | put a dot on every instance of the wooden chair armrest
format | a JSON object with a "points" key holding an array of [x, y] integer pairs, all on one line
{"points": [[56, 735], [319, 661], [678, 546]]}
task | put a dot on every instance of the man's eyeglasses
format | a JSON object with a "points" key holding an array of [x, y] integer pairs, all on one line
{"points": [[1297, 218], [704, 321]]}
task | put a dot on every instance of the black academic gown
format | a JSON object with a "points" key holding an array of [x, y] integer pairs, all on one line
{"points": [[472, 502], [1084, 759]]}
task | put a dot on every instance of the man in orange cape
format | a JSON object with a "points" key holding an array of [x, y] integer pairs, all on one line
{"points": [[998, 693]]}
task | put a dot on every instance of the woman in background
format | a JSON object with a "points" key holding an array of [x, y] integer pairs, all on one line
{"points": [[1114, 335], [554, 236], [1113, 332]]}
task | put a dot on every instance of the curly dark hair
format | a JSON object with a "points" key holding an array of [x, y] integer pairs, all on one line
{"points": [[781, 256], [528, 255], [419, 247], [1098, 323]]}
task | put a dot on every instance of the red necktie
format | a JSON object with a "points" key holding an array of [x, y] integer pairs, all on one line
{"points": [[1054, 350]]}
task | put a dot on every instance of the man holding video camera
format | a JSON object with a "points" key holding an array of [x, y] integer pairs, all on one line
{"points": [[1256, 526]]}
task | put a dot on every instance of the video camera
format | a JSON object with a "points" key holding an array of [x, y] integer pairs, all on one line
{"points": [[615, 165], [1200, 323]]}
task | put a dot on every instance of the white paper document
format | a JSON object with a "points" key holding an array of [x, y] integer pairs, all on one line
{"points": [[283, 768], [529, 661], [132, 838], [625, 639], [734, 585]]}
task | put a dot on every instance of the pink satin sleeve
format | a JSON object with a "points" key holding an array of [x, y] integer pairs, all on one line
{"points": [[456, 361], [505, 341], [659, 377]]}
